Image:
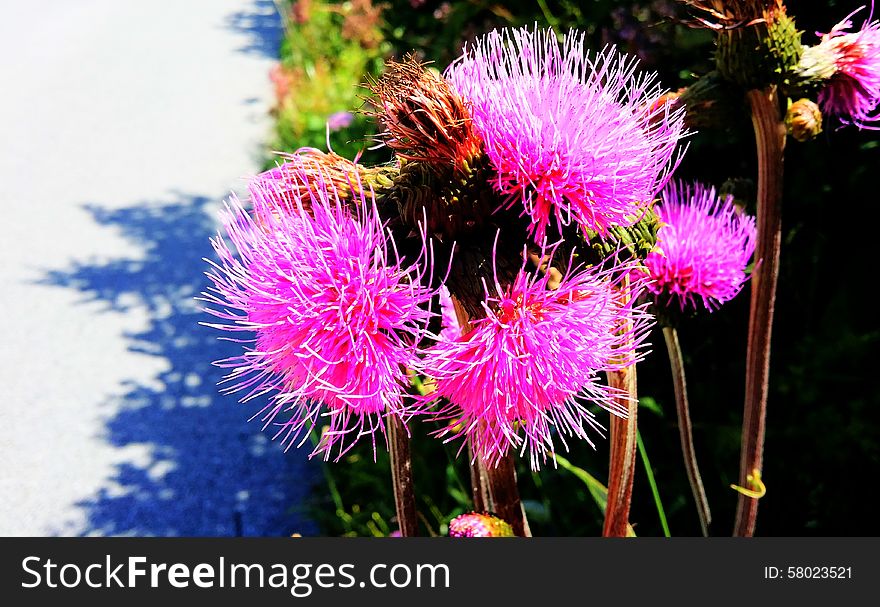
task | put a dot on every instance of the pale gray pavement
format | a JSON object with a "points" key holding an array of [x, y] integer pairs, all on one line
{"points": [[124, 123]]}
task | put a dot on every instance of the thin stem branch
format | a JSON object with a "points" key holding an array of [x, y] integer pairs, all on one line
{"points": [[685, 429], [770, 141], [504, 494], [401, 477]]}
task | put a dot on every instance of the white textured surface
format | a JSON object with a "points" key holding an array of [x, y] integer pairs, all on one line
{"points": [[124, 124]]}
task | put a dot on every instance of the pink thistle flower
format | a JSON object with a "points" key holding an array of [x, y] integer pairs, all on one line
{"points": [[703, 247], [853, 92], [476, 524], [571, 136], [532, 363], [337, 318]]}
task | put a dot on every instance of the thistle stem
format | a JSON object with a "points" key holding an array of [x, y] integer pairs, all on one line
{"points": [[504, 494], [770, 140], [401, 477], [623, 440], [494, 488], [685, 429], [623, 444], [479, 486]]}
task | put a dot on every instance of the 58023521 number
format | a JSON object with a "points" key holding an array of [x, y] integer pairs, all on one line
{"points": [[818, 573]]}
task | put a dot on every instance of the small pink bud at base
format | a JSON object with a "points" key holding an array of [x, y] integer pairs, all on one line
{"points": [[474, 524]]}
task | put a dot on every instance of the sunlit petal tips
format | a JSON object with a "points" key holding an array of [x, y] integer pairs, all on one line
{"points": [[703, 247], [572, 137], [853, 92], [527, 372], [336, 317]]}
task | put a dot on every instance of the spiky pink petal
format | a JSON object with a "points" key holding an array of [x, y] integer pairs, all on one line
{"points": [[853, 92], [530, 368], [336, 317], [703, 247], [573, 137]]}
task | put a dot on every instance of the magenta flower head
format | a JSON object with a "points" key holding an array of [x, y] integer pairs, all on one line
{"points": [[476, 524], [572, 137], [853, 92], [704, 245], [528, 369], [336, 317]]}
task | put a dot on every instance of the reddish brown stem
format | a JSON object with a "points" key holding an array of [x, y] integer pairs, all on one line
{"points": [[494, 487], [504, 493], [479, 476], [479, 487], [685, 429], [623, 443], [622, 466], [770, 141], [401, 477]]}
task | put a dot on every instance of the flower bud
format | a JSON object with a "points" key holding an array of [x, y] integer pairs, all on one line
{"points": [[803, 120], [759, 52], [475, 524]]}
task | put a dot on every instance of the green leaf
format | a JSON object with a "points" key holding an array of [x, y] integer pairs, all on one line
{"points": [[596, 489], [651, 405], [653, 484], [536, 511], [458, 495]]}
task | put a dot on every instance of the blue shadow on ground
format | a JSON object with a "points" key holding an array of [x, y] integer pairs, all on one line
{"points": [[210, 472], [261, 25]]}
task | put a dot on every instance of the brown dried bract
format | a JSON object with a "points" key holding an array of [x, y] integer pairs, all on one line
{"points": [[729, 14], [423, 117], [293, 181]]}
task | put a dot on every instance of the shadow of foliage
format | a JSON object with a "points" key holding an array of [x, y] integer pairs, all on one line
{"points": [[209, 472], [261, 25]]}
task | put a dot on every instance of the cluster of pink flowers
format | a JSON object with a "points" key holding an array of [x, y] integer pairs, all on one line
{"points": [[342, 316]]}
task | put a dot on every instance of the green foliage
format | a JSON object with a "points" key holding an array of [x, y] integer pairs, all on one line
{"points": [[360, 503], [327, 51], [598, 491]]}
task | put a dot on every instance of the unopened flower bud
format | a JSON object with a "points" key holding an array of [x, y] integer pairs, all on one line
{"points": [[803, 120], [759, 49]]}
